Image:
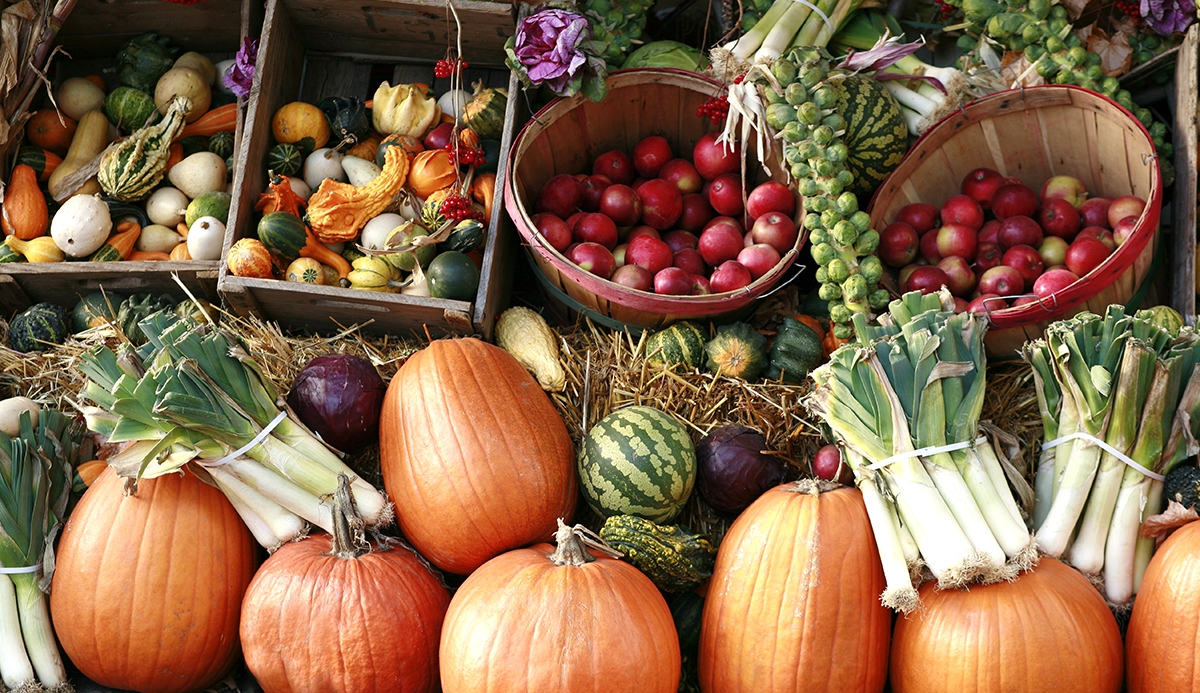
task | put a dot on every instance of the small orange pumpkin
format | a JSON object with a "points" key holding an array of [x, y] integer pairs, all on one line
{"points": [[365, 149], [431, 171], [25, 213], [51, 130], [301, 124], [249, 257], [1161, 651]]}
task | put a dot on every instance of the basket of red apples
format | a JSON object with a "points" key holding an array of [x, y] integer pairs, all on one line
{"points": [[633, 211], [1029, 205]]}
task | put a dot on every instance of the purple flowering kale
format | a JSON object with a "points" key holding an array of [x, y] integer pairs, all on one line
{"points": [[554, 47], [240, 75], [1168, 16]]}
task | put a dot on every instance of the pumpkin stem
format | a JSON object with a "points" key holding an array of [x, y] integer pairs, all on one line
{"points": [[813, 487], [574, 542], [349, 537]]}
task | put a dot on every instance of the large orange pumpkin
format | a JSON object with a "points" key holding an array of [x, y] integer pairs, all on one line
{"points": [[327, 614], [565, 619], [147, 589], [793, 603], [1048, 630], [474, 454], [1162, 644]]}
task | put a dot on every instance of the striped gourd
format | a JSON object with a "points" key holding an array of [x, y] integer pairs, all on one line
{"points": [[681, 344], [41, 161], [637, 461], [485, 112], [875, 132], [221, 144], [738, 351], [284, 160], [131, 168], [675, 559], [39, 327]]}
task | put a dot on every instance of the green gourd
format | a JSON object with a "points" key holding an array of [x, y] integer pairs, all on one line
{"points": [[675, 559]]}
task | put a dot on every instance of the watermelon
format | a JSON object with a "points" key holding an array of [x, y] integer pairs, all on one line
{"points": [[453, 275], [637, 461], [284, 160], [221, 144], [210, 204], [39, 327], [1165, 317], [681, 344], [283, 233], [875, 132]]}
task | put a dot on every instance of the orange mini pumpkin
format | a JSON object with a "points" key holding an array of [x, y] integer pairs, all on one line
{"points": [[431, 171]]}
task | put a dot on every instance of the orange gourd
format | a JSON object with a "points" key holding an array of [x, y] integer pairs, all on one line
{"points": [[318, 251], [1047, 630], [180, 252], [474, 454], [90, 471], [51, 130], [1161, 649], [148, 256], [559, 619], [365, 149], [25, 213], [483, 190], [249, 257], [281, 197], [219, 119], [125, 237], [793, 602], [147, 588], [431, 171]]}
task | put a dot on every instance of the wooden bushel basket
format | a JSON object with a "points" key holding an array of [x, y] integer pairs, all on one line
{"points": [[1033, 134], [566, 135]]}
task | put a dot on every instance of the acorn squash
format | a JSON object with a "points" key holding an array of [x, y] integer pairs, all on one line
{"points": [[738, 351]]}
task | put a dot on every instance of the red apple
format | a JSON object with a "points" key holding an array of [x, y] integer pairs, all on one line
{"points": [[679, 239], [1002, 281], [621, 204], [1085, 255], [906, 272], [1066, 188], [720, 243], [650, 253], [554, 230], [619, 254], [726, 221], [1058, 217], [771, 196], [926, 280], [1099, 233], [922, 216], [1053, 251], [696, 212], [689, 260], [1024, 300], [439, 137], [776, 229], [1019, 230], [987, 256], [980, 185], [1054, 280], [759, 258], [642, 231], [1014, 199], [1124, 229], [594, 258], [928, 247], [959, 277], [650, 155], [962, 209], [960, 304], [713, 158], [898, 244], [700, 285], [616, 165], [593, 189], [574, 219], [672, 281], [635, 277], [986, 303], [827, 464], [1094, 211], [731, 275], [1026, 260], [725, 195], [560, 196], [957, 239], [990, 231], [597, 228], [662, 205], [683, 174], [1124, 206]]}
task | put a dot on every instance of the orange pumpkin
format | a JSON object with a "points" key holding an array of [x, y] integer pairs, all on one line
{"points": [[25, 213], [793, 602], [302, 124], [50, 130], [559, 619], [431, 171], [1161, 649], [147, 589], [1047, 630], [474, 454]]}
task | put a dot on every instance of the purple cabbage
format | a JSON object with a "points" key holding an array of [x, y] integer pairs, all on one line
{"points": [[733, 468], [554, 47], [240, 75], [339, 397]]}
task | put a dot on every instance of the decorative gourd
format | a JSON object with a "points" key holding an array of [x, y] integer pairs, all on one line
{"points": [[559, 619], [132, 168], [793, 603], [91, 137], [137, 308], [524, 334], [431, 212], [283, 234], [301, 124], [674, 558], [474, 454], [366, 149], [25, 213], [119, 245], [118, 209], [370, 273], [483, 191], [331, 263], [466, 236], [453, 275], [249, 257], [40, 249], [347, 117], [42, 161], [148, 256], [795, 352], [7, 254], [142, 60], [213, 204], [431, 172], [51, 130], [485, 112], [219, 119], [1048, 625], [284, 160], [637, 461], [205, 238], [129, 109], [38, 327], [191, 556], [1160, 647], [281, 197], [681, 344], [738, 351], [81, 226], [337, 211], [687, 608], [375, 627], [221, 144], [403, 110], [408, 143], [305, 270], [359, 172], [94, 310]]}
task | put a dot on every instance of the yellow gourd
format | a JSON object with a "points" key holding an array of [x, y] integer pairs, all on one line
{"points": [[306, 271], [524, 334], [91, 137], [40, 249]]}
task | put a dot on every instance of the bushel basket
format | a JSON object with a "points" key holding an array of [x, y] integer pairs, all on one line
{"points": [[566, 135], [1033, 134]]}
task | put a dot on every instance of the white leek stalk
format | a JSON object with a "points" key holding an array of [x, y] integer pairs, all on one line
{"points": [[15, 667], [899, 594]]}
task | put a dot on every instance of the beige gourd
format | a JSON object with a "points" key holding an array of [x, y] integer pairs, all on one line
{"points": [[91, 138], [524, 334]]}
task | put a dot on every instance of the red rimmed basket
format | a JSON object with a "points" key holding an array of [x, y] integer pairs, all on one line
{"points": [[1033, 134], [566, 135]]}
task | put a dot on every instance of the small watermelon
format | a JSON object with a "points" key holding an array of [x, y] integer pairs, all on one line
{"points": [[875, 132], [40, 327], [213, 204], [1165, 317], [94, 310], [221, 144], [681, 344], [284, 160], [637, 461]]}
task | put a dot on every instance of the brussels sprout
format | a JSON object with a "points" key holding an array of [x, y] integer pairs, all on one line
{"points": [[835, 121], [784, 70], [796, 94], [838, 272], [879, 299], [818, 236], [822, 275], [823, 167], [841, 330], [845, 233], [813, 222], [837, 153], [822, 135], [812, 75], [807, 186], [825, 97], [871, 268], [855, 288], [861, 220], [829, 292], [824, 254], [831, 186], [808, 113], [867, 242], [830, 217], [847, 204]]}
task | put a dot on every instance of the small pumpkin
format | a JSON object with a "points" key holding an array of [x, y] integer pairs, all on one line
{"points": [[738, 351], [301, 124], [485, 112], [305, 270], [248, 257], [431, 171], [51, 130], [366, 149], [25, 213], [408, 143], [1161, 653]]}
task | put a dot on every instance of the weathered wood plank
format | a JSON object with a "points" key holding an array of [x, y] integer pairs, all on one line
{"points": [[1183, 248]]}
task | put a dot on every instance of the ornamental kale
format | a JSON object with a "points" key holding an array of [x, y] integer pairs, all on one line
{"points": [[240, 75], [1168, 16], [554, 47]]}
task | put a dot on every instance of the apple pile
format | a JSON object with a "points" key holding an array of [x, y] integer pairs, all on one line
{"points": [[999, 243], [651, 221]]}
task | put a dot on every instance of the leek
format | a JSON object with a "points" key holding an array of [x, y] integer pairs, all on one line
{"points": [[744, 48], [781, 35], [1049, 397], [899, 593]]}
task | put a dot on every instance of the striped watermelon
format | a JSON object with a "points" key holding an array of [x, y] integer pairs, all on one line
{"points": [[637, 461], [679, 344], [875, 132]]}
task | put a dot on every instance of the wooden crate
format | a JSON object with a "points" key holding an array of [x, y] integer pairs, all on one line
{"points": [[1183, 250], [91, 36], [310, 64]]}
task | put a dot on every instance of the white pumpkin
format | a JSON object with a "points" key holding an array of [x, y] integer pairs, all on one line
{"points": [[375, 231], [81, 225], [10, 414], [321, 164], [205, 237], [166, 206]]}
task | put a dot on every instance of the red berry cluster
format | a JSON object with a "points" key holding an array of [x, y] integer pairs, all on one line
{"points": [[944, 8], [1132, 9], [445, 68], [461, 154], [457, 207], [715, 109]]}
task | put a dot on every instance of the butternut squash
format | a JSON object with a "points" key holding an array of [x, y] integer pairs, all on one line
{"points": [[91, 137], [25, 214]]}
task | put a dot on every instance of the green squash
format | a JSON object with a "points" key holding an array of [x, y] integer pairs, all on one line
{"points": [[681, 344], [484, 113], [213, 204], [466, 236], [348, 118], [142, 60], [687, 608], [283, 233], [129, 109], [675, 559], [453, 275], [7, 254], [796, 351], [221, 144], [118, 209], [39, 327], [491, 156], [738, 351], [284, 160]]}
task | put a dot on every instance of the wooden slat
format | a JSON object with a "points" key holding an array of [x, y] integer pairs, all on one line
{"points": [[1183, 255], [97, 28], [65, 282]]}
